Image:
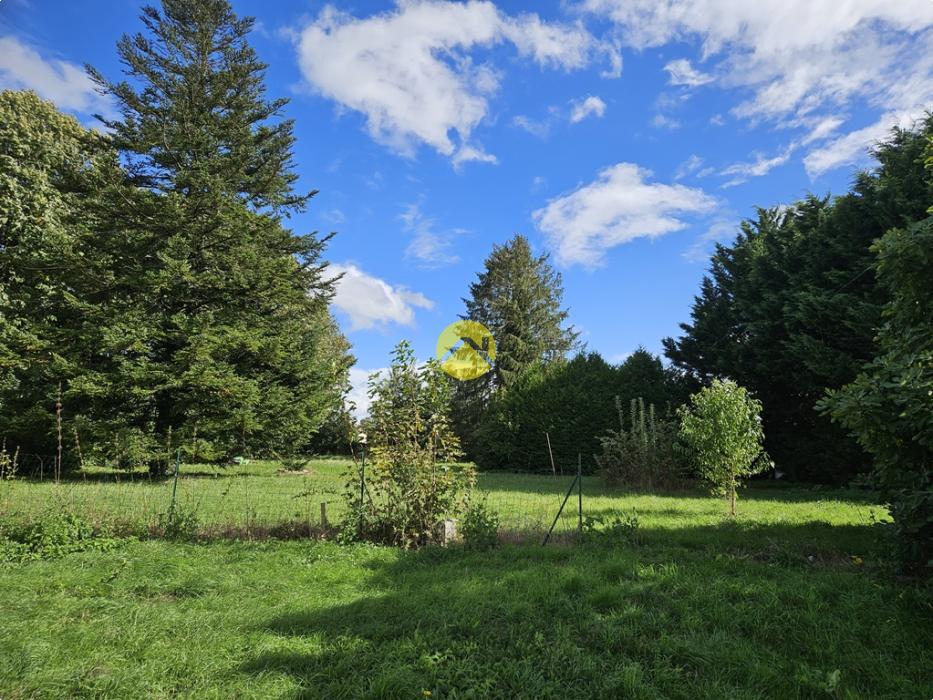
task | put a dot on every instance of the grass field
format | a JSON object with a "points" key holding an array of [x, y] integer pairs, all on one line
{"points": [[788, 601], [259, 495]]}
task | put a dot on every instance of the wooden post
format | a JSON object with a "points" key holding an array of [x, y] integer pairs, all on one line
{"points": [[324, 515]]}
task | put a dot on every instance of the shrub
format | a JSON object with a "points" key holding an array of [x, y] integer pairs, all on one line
{"points": [[646, 455], [887, 408], [294, 463], [480, 527], [722, 429], [411, 484]]}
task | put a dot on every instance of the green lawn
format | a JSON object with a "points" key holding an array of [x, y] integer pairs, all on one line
{"points": [[788, 601], [259, 495]]}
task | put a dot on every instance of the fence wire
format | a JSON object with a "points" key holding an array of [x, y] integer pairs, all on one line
{"points": [[257, 498]]}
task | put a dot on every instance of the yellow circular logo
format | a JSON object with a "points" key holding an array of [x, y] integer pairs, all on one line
{"points": [[466, 350]]}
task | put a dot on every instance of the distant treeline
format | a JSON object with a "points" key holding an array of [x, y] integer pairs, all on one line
{"points": [[790, 309]]}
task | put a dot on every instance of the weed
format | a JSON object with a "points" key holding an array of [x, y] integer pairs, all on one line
{"points": [[56, 534], [480, 527]]}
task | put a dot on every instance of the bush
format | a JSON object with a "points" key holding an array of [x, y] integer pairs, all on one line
{"points": [[647, 455], [887, 407], [411, 484], [480, 527], [9, 463]]}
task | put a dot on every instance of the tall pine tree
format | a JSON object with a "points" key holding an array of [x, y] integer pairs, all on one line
{"points": [[226, 336], [518, 297]]}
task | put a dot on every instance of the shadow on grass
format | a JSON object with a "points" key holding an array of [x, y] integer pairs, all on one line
{"points": [[604, 621]]}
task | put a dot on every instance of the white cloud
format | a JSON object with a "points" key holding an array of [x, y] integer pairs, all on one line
{"points": [[334, 216], [688, 167], [661, 121], [371, 302], [850, 149], [762, 165], [591, 106], [722, 229], [66, 84], [800, 62], [619, 206], [683, 73], [541, 129], [428, 246], [574, 112], [467, 153], [410, 72], [821, 128]]}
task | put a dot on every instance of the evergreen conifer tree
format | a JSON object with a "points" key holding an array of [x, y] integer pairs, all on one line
{"points": [[225, 331]]}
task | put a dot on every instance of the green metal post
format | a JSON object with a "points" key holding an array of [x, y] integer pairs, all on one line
{"points": [[362, 484], [171, 510], [561, 509], [579, 493]]}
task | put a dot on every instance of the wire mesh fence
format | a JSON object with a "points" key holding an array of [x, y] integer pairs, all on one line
{"points": [[260, 498]]}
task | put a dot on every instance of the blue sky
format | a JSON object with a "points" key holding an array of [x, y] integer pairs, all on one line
{"points": [[623, 137]]}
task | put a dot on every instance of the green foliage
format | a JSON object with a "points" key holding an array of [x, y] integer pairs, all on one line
{"points": [[570, 401], [55, 534], [295, 464], [889, 405], [337, 433], [179, 523], [50, 166], [792, 306], [150, 273], [246, 354], [411, 483], [518, 297], [646, 455], [479, 527], [9, 463], [722, 429], [620, 528]]}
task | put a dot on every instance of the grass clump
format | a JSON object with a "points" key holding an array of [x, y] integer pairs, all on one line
{"points": [[54, 535], [480, 527]]}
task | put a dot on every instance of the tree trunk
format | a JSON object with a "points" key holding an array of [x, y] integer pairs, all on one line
{"points": [[732, 499]]}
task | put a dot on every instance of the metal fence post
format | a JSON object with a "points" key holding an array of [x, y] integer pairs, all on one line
{"points": [[561, 509], [579, 493], [171, 510], [362, 439]]}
